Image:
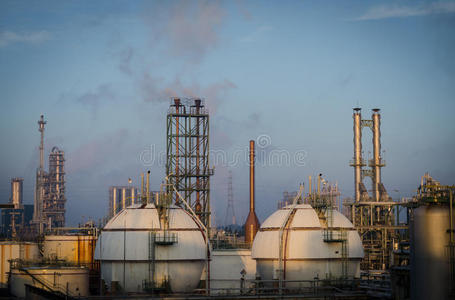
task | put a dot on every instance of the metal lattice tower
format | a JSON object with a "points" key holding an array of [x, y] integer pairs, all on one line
{"points": [[230, 211], [187, 154]]}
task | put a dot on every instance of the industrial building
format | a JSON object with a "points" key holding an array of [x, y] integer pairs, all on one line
{"points": [[16, 221], [16, 216]]}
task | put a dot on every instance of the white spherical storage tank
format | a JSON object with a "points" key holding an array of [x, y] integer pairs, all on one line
{"points": [[309, 249], [135, 251]]}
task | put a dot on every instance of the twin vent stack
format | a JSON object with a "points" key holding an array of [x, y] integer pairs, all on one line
{"points": [[375, 164]]}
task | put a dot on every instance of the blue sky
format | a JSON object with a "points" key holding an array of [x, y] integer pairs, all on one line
{"points": [[102, 73]]}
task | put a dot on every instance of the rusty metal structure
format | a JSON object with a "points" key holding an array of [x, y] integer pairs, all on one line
{"points": [[252, 222], [187, 154], [49, 209], [376, 217]]}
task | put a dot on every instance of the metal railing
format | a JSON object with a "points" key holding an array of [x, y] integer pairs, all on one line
{"points": [[331, 235], [166, 238], [226, 244], [249, 287]]}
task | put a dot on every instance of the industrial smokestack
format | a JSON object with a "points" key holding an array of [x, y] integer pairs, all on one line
{"points": [[357, 163], [252, 222], [377, 162]]}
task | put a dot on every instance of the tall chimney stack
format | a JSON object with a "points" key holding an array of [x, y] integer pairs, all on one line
{"points": [[252, 222], [357, 163], [377, 161]]}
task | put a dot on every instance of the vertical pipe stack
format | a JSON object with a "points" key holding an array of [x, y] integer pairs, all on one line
{"points": [[143, 199], [148, 187], [114, 201], [124, 204], [133, 195], [197, 103], [357, 164], [252, 222], [177, 152], [16, 192], [376, 117]]}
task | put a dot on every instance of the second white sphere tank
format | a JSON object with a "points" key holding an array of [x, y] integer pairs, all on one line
{"points": [[309, 250]]}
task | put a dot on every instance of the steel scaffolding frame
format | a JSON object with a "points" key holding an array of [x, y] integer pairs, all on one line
{"points": [[379, 227], [373, 216], [187, 154]]}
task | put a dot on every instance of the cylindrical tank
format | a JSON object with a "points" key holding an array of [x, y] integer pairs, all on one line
{"points": [[135, 251], [429, 247], [309, 249], [15, 250], [67, 280], [77, 249]]}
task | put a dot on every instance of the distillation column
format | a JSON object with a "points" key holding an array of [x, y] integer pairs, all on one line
{"points": [[54, 202]]}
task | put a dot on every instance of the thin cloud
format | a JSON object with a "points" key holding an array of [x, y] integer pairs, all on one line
{"points": [[188, 30], [98, 153], [9, 37], [256, 34], [396, 11], [93, 99]]}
